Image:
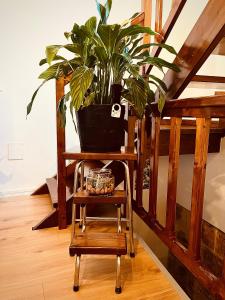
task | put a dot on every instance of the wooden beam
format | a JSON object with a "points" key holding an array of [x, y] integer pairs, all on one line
{"points": [[205, 35], [61, 167], [174, 149], [198, 186]]}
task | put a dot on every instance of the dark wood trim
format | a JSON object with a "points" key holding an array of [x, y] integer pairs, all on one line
{"points": [[43, 189], [198, 46], [154, 162], [198, 186], [51, 220], [174, 149], [61, 167]]}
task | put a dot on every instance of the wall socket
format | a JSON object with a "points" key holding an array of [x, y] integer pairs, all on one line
{"points": [[15, 151]]}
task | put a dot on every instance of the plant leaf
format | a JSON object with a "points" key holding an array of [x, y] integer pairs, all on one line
{"points": [[51, 52], [79, 84], [133, 30], [138, 93], [156, 61], [164, 46], [108, 35], [29, 106], [89, 99], [52, 72], [57, 57], [161, 102], [91, 24], [160, 82]]}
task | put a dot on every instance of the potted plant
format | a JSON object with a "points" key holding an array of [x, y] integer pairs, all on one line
{"points": [[104, 68]]}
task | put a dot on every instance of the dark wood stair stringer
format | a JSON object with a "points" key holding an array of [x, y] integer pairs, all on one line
{"points": [[52, 187]]}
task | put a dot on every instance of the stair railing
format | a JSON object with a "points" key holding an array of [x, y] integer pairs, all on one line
{"points": [[203, 109]]}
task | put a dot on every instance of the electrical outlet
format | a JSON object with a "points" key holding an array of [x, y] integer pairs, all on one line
{"points": [[15, 151]]}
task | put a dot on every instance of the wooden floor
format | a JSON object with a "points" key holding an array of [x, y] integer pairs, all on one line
{"points": [[36, 264]]}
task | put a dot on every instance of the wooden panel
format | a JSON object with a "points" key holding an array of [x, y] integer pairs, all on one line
{"points": [[198, 186], [118, 197], [99, 243], [197, 47], [61, 168], [172, 175], [154, 161], [167, 28]]}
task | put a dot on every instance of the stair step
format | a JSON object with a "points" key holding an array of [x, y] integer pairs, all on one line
{"points": [[118, 197], [98, 243], [52, 187]]}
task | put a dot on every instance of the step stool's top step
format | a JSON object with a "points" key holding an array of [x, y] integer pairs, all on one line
{"points": [[82, 197], [98, 243]]}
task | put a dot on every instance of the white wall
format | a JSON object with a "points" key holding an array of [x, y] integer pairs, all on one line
{"points": [[26, 27]]}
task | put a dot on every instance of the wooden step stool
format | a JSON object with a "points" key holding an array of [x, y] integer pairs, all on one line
{"points": [[100, 243]]}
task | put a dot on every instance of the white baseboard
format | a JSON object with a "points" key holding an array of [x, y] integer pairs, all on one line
{"points": [[16, 192]]}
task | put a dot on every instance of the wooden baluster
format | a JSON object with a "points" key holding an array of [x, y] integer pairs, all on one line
{"points": [[174, 149], [141, 161], [61, 167], [158, 19], [154, 162], [146, 8], [198, 185]]}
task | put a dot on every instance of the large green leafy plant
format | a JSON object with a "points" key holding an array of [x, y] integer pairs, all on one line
{"points": [[104, 55]]}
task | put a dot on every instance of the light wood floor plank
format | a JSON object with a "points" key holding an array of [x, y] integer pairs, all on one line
{"points": [[36, 264]]}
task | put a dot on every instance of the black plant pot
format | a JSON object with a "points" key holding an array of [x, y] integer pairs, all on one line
{"points": [[98, 131]]}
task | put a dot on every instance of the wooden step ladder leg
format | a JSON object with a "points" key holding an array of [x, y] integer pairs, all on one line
{"points": [[119, 226], [129, 208], [76, 273], [118, 288]]}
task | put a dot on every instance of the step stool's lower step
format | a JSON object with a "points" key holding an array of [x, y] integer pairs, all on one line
{"points": [[98, 243]]}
